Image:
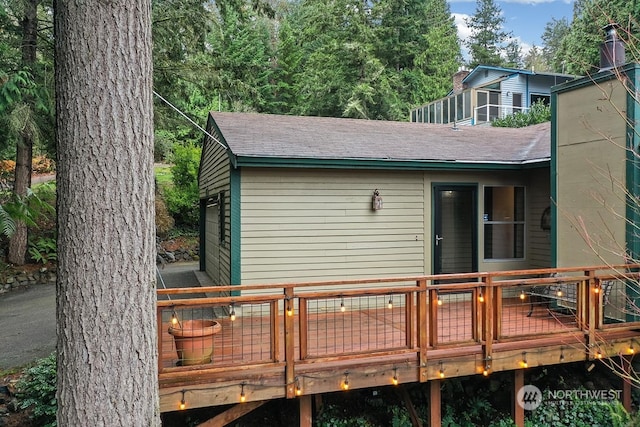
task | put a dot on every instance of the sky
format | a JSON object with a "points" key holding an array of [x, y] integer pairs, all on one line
{"points": [[526, 19]]}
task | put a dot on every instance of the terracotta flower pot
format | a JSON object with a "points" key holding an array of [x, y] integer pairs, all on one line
{"points": [[194, 342]]}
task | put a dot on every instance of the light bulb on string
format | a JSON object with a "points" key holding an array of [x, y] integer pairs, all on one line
{"points": [[342, 307], [522, 295], [243, 397], [345, 382], [183, 404], [232, 314], [298, 388], [439, 300], [390, 303], [394, 380], [441, 371]]}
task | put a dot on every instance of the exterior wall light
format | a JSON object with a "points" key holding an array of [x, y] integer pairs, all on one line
{"points": [[376, 200]]}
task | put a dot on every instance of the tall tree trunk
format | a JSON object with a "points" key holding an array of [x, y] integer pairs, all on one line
{"points": [[24, 151], [107, 355]]}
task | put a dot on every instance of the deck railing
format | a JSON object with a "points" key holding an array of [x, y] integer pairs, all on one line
{"points": [[291, 326]]}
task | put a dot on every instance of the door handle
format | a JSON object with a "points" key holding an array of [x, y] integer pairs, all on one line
{"points": [[438, 238]]}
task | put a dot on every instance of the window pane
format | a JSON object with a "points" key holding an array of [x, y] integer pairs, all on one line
{"points": [[445, 111], [482, 106], [504, 222], [503, 241], [459, 105], [467, 105]]}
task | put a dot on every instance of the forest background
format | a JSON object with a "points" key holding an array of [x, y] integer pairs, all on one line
{"points": [[373, 59]]}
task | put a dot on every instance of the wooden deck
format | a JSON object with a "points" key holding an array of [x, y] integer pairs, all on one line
{"points": [[288, 340]]}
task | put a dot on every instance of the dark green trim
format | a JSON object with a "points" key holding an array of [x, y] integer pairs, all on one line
{"points": [[235, 227], [444, 186], [553, 170], [632, 171], [380, 164], [633, 188], [594, 78], [202, 230]]}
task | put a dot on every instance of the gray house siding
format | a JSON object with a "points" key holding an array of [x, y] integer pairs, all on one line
{"points": [[215, 190]]}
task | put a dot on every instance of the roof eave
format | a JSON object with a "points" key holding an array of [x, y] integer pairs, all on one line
{"points": [[335, 163]]}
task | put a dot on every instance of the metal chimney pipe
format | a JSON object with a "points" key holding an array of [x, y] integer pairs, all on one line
{"points": [[612, 52]]}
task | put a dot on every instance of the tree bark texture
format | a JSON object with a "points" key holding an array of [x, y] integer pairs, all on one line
{"points": [[24, 150], [107, 355]]}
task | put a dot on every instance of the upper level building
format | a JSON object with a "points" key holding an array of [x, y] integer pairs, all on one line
{"points": [[486, 93]]}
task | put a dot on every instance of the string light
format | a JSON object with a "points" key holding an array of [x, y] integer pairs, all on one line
{"points": [[298, 388], [174, 318], [561, 354], [441, 372], [524, 363], [183, 404], [522, 295], [596, 289], [289, 309], [598, 354], [480, 297], [243, 397], [439, 300], [390, 303], [342, 307], [631, 349], [559, 293], [345, 382], [232, 315], [485, 372], [394, 380]]}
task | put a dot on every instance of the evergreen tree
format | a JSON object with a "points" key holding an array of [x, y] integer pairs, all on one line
{"points": [[552, 37], [581, 46], [513, 53], [487, 34], [534, 60]]}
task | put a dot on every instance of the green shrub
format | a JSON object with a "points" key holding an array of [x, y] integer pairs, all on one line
{"points": [[577, 412], [182, 198], [538, 113], [43, 249], [186, 161], [37, 390], [163, 143]]}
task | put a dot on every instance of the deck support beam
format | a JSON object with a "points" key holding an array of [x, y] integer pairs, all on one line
{"points": [[626, 384], [517, 411], [306, 411], [435, 403]]}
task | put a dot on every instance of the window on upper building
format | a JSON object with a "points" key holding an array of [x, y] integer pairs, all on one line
{"points": [[504, 222], [536, 97], [516, 102]]}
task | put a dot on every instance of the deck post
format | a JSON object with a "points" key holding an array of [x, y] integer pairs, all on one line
{"points": [[435, 403], [306, 413], [423, 335], [626, 384], [289, 343], [517, 410]]}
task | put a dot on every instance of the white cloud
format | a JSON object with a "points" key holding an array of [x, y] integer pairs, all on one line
{"points": [[463, 29]]}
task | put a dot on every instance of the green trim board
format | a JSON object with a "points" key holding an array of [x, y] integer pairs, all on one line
{"points": [[381, 164], [553, 170], [235, 228]]}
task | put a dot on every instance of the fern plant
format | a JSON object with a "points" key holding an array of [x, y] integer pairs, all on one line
{"points": [[37, 390]]}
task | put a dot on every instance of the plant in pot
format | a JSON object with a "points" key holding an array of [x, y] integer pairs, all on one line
{"points": [[193, 340]]}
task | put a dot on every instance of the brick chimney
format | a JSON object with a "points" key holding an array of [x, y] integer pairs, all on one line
{"points": [[458, 77]]}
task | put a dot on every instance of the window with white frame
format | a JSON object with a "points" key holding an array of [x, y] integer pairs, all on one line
{"points": [[504, 222]]}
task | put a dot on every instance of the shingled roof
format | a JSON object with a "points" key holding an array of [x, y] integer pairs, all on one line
{"points": [[265, 136]]}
